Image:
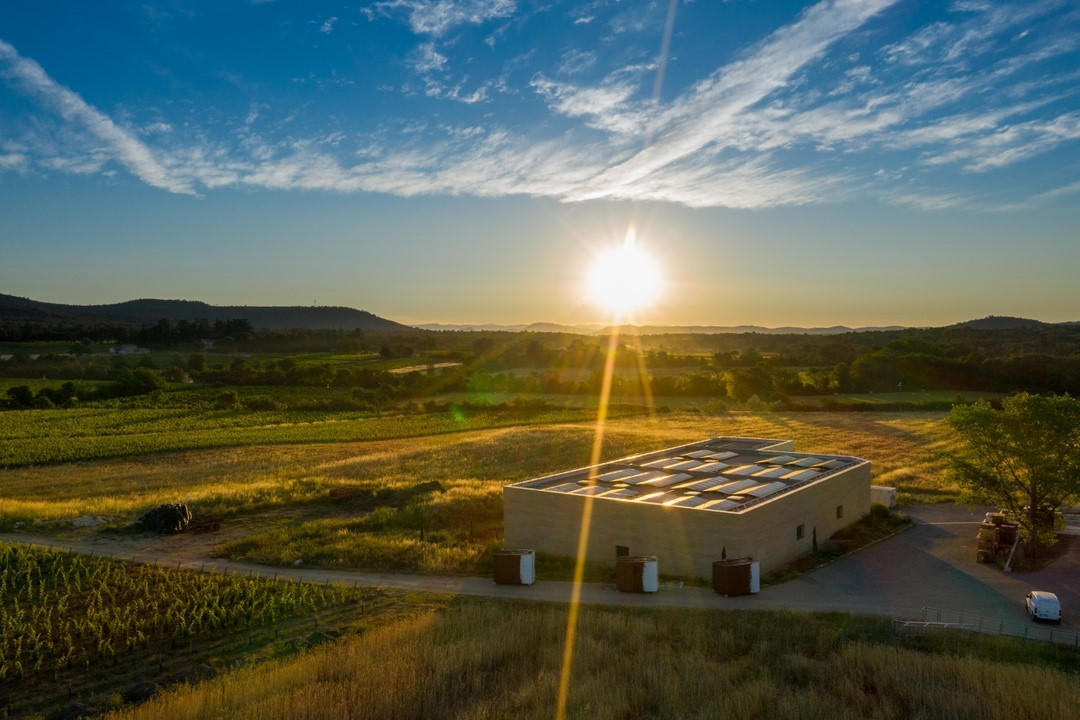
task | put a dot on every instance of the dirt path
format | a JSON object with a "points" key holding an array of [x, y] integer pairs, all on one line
{"points": [[929, 566]]}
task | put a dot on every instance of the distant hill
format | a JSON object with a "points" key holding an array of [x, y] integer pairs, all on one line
{"points": [[1004, 322], [141, 312], [663, 329]]}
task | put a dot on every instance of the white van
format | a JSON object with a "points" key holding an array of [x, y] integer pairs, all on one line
{"points": [[1042, 605]]}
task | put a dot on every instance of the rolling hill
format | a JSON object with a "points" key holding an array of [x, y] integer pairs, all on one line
{"points": [[145, 311]]}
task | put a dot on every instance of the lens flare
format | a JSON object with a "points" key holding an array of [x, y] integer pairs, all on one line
{"points": [[624, 278]]}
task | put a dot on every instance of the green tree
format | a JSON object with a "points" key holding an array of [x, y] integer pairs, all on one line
{"points": [[20, 396], [1024, 457]]}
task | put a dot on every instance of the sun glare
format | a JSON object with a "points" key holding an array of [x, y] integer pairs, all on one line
{"points": [[624, 278]]}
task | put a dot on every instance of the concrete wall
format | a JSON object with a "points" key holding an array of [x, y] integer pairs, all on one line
{"points": [[687, 540]]}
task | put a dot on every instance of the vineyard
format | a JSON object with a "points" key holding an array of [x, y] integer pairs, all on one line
{"points": [[29, 437], [62, 612]]}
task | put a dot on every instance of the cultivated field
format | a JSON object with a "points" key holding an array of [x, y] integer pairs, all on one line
{"points": [[492, 660], [102, 625], [429, 503]]}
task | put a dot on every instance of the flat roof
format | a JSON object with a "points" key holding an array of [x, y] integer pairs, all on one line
{"points": [[721, 474]]}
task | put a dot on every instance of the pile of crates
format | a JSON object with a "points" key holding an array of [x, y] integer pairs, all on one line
{"points": [[997, 534]]}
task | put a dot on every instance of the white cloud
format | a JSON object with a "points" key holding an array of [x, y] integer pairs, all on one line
{"points": [[435, 17], [425, 58], [575, 61], [123, 145], [751, 134], [13, 161], [327, 26]]}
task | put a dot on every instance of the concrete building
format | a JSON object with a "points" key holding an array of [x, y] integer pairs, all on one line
{"points": [[688, 505]]}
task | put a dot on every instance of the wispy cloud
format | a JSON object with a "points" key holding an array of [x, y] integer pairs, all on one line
{"points": [[750, 134], [327, 26], [425, 58], [125, 147], [435, 17]]}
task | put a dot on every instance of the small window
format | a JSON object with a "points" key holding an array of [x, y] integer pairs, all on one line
{"points": [[799, 532], [839, 511], [621, 551]]}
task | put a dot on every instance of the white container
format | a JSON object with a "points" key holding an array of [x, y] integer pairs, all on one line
{"points": [[883, 495], [650, 576], [528, 568]]}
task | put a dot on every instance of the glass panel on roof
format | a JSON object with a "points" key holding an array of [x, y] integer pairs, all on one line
{"points": [[617, 474], [667, 480], [658, 498], [780, 460], [643, 476], [698, 453], [710, 467], [589, 490], [705, 484], [830, 464], [773, 472], [766, 490], [620, 493], [721, 504], [659, 462], [737, 486], [721, 455], [805, 462], [682, 465], [802, 475], [564, 487], [689, 501], [744, 470]]}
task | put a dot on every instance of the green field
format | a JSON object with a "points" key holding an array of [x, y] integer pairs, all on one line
{"points": [[72, 621], [396, 518], [30, 437], [488, 659]]}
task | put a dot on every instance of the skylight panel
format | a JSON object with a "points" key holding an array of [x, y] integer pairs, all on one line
{"points": [[805, 462], [773, 472], [711, 466], [613, 475], [780, 460], [564, 487], [688, 501], [766, 490], [589, 490], [668, 480], [802, 475], [744, 470], [721, 455], [658, 498], [734, 487], [659, 462], [719, 504], [698, 453]]}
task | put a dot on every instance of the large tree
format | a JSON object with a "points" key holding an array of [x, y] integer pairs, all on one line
{"points": [[1024, 457]]}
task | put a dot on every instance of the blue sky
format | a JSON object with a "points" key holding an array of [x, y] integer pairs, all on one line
{"points": [[436, 160]]}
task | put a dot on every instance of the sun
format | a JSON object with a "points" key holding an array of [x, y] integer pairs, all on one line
{"points": [[624, 278]]}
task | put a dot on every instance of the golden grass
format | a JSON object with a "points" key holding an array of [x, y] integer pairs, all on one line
{"points": [[461, 524], [486, 659]]}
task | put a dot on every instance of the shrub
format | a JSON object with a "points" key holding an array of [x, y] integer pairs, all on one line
{"points": [[261, 402], [227, 400]]}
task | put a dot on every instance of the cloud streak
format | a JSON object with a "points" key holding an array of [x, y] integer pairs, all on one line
{"points": [[125, 147], [752, 133]]}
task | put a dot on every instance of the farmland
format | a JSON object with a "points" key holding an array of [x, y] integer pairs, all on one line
{"points": [[53, 436], [484, 659], [64, 618], [430, 503]]}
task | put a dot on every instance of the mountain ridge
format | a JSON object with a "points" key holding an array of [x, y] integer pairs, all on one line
{"points": [[150, 310]]}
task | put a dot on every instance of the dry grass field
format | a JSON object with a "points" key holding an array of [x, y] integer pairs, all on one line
{"points": [[391, 523], [485, 659]]}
